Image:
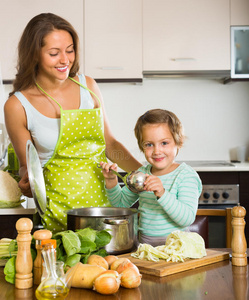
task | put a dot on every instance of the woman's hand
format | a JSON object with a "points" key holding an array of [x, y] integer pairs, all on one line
{"points": [[154, 184], [24, 185], [111, 179]]}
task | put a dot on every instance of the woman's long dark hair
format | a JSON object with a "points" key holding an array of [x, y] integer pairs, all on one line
{"points": [[30, 44]]}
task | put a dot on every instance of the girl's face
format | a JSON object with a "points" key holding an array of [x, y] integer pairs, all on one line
{"points": [[57, 55], [159, 148]]}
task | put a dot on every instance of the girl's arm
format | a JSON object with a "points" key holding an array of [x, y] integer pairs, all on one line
{"points": [[183, 207]]}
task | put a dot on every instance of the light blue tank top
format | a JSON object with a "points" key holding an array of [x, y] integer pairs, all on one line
{"points": [[44, 130]]}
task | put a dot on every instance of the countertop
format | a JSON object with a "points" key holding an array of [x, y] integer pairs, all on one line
{"points": [[216, 281], [236, 167], [25, 208]]}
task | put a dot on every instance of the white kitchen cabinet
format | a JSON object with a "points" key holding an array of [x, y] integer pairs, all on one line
{"points": [[239, 12], [113, 39], [186, 35], [14, 16]]}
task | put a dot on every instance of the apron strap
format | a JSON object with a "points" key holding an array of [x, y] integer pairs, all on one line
{"points": [[48, 95], [85, 87]]}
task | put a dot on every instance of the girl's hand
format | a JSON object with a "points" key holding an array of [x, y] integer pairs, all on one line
{"points": [[24, 185], [154, 184], [111, 179]]}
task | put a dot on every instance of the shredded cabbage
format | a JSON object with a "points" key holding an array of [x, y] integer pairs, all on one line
{"points": [[179, 246]]}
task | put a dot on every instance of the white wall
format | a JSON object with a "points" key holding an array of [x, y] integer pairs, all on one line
{"points": [[215, 116]]}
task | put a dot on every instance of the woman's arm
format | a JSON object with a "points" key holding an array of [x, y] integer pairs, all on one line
{"points": [[115, 151], [16, 125]]}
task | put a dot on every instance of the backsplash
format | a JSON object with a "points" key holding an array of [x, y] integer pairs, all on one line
{"points": [[215, 116]]}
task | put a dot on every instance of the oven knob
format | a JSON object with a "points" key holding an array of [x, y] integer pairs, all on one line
{"points": [[206, 195], [225, 195], [216, 195]]}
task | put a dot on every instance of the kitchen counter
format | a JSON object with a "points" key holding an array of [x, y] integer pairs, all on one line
{"points": [[235, 167], [215, 281], [25, 208]]}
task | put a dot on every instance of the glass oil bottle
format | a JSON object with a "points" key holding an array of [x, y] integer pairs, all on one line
{"points": [[52, 287]]}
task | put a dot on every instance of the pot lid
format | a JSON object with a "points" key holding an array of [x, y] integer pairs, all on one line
{"points": [[36, 179]]}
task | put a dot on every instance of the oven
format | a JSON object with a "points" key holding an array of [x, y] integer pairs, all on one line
{"points": [[218, 196]]}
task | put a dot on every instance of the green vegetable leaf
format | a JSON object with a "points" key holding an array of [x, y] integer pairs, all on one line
{"points": [[102, 238], [86, 234], [101, 252], [10, 204], [72, 260], [87, 246], [70, 240], [10, 270]]}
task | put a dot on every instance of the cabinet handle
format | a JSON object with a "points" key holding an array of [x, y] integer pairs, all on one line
{"points": [[112, 68], [183, 59]]}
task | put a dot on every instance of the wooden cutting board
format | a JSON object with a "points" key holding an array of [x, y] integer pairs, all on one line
{"points": [[163, 268]]}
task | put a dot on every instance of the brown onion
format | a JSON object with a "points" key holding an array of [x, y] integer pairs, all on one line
{"points": [[124, 265], [130, 278], [117, 262], [110, 259], [107, 283]]}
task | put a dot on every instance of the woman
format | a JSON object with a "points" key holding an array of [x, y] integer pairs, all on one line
{"points": [[63, 114]]}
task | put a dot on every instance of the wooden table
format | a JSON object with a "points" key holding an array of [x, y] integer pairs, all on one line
{"points": [[216, 281]]}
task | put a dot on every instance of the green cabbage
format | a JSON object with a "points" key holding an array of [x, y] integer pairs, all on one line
{"points": [[185, 244], [9, 191], [179, 246]]}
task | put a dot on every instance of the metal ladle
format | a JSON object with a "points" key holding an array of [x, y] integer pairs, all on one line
{"points": [[133, 180]]}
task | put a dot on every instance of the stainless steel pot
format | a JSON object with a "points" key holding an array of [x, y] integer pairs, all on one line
{"points": [[121, 222]]}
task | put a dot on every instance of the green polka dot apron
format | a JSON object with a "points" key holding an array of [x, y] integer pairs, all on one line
{"points": [[71, 176]]}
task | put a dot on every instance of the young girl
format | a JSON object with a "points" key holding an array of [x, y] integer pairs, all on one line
{"points": [[171, 190]]}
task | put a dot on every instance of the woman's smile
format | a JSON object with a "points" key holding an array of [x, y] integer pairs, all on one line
{"points": [[62, 69]]}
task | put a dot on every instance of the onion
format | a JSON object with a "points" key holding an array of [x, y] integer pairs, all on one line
{"points": [[110, 259], [124, 265], [107, 283], [130, 278], [117, 262]]}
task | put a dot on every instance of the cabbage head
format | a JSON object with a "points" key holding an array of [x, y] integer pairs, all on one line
{"points": [[10, 193], [185, 244]]}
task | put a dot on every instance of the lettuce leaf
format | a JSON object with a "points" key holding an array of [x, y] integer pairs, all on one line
{"points": [[10, 270]]}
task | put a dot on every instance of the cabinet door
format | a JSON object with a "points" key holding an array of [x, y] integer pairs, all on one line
{"points": [[113, 39], [239, 12], [14, 16], [186, 35]]}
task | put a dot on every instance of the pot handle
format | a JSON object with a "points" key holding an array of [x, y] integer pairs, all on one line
{"points": [[116, 221]]}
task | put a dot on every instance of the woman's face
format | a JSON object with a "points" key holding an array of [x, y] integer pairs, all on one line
{"points": [[159, 147], [57, 55]]}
